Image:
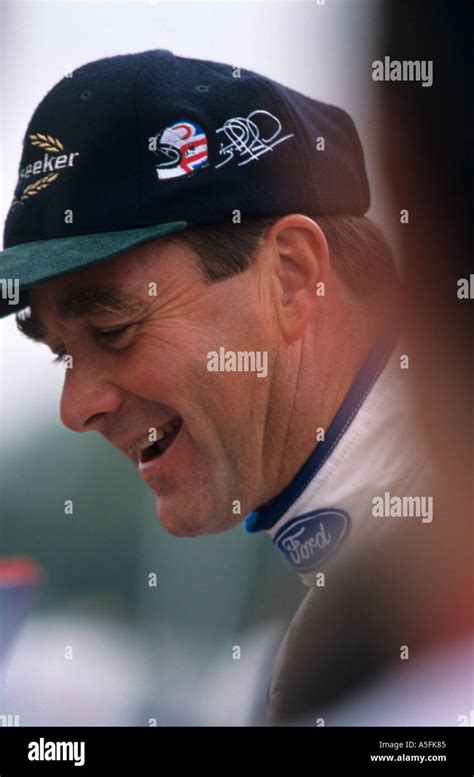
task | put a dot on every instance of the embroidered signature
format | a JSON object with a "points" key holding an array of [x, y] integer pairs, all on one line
{"points": [[249, 140]]}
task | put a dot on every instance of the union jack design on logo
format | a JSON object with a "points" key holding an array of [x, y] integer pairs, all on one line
{"points": [[182, 149]]}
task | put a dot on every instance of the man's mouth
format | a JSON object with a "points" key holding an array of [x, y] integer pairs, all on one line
{"points": [[157, 441]]}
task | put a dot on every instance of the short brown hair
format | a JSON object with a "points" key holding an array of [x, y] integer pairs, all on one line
{"points": [[358, 251]]}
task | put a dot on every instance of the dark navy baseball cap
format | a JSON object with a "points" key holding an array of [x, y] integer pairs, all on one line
{"points": [[134, 147]]}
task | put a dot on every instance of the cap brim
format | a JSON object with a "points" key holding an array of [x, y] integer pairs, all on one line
{"points": [[33, 263]]}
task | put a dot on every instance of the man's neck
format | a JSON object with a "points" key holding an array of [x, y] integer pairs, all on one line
{"points": [[329, 363]]}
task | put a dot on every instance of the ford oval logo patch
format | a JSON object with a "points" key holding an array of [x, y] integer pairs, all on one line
{"points": [[312, 537]]}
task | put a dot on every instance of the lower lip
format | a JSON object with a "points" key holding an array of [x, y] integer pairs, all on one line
{"points": [[150, 470]]}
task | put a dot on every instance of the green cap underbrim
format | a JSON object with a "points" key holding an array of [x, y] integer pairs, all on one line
{"points": [[43, 260]]}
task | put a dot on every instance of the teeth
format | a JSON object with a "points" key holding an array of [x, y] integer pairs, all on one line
{"points": [[141, 445], [145, 442]]}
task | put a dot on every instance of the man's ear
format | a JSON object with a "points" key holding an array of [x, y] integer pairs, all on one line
{"points": [[300, 268]]}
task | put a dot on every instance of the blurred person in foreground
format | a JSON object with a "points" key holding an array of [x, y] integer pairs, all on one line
{"points": [[413, 598]]}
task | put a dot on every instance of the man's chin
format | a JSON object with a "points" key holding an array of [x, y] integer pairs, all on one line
{"points": [[178, 519]]}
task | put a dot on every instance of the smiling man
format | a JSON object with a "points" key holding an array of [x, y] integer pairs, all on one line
{"points": [[137, 367], [211, 210]]}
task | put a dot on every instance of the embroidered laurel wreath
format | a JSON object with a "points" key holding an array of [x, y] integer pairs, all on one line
{"points": [[46, 142], [54, 146], [36, 187]]}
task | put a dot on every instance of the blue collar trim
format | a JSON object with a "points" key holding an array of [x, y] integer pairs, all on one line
{"points": [[267, 515]]}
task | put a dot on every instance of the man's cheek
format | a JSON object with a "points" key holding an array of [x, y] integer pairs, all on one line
{"points": [[146, 364], [180, 351]]}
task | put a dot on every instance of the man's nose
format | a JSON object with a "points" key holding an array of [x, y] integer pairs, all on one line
{"points": [[86, 402]]}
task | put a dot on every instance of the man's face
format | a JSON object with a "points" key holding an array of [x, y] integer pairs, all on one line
{"points": [[136, 370]]}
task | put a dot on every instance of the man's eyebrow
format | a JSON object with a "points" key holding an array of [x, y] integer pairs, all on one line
{"points": [[94, 302], [83, 304]]}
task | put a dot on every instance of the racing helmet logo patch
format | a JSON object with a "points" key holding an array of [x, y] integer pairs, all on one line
{"points": [[181, 149]]}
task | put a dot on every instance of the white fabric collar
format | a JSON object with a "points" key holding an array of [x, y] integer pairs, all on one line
{"points": [[330, 498]]}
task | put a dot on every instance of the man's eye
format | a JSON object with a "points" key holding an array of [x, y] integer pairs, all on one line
{"points": [[107, 335], [112, 334]]}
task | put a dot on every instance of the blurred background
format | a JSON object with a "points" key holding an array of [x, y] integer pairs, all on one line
{"points": [[101, 646]]}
